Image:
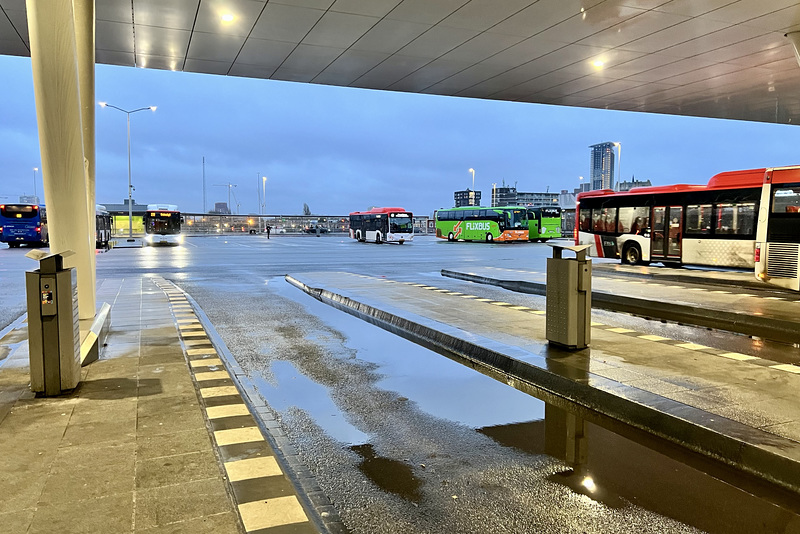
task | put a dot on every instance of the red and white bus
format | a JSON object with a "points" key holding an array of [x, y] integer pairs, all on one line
{"points": [[382, 225], [747, 219]]}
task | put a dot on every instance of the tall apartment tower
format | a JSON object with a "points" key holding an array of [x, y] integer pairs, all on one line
{"points": [[601, 168]]}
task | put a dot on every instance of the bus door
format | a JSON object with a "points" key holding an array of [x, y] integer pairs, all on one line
{"points": [[666, 233]]}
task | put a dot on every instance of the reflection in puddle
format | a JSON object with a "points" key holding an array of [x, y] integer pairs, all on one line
{"points": [[390, 475], [439, 386], [292, 388], [614, 470]]}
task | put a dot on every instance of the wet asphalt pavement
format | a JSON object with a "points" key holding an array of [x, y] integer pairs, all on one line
{"points": [[402, 439]]}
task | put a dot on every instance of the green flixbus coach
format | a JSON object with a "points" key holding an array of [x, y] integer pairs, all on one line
{"points": [[544, 223], [478, 223]]}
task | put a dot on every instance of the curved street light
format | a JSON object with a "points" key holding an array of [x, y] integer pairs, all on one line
{"points": [[130, 187]]}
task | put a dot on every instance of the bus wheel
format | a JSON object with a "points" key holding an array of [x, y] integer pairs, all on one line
{"points": [[378, 238], [489, 238], [13, 245], [632, 254], [450, 237]]}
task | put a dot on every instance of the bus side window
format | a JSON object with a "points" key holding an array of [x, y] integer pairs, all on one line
{"points": [[586, 220]]}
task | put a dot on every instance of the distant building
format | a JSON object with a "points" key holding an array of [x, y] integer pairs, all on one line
{"points": [[601, 167], [504, 196], [627, 186], [222, 208], [29, 199], [467, 198], [537, 200]]}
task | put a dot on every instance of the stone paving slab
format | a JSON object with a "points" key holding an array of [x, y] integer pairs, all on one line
{"points": [[728, 408]]}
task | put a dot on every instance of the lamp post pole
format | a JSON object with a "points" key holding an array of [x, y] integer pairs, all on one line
{"points": [[264, 199], [34, 180], [619, 165], [130, 187]]}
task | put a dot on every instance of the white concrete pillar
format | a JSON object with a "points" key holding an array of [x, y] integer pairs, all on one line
{"points": [[85, 41], [58, 114]]}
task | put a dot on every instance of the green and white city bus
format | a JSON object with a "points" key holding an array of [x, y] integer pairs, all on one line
{"points": [[544, 223], [477, 223]]}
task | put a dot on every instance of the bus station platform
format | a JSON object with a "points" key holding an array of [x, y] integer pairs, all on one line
{"points": [[723, 300], [156, 438], [731, 407]]}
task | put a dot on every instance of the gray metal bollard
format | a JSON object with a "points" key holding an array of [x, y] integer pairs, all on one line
{"points": [[53, 324], [569, 298]]}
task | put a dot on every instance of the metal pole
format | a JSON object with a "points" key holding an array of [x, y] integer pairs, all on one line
{"points": [[204, 185], [34, 180], [130, 206]]}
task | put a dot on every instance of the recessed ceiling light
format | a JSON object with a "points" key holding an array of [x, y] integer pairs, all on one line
{"points": [[598, 63], [227, 17]]}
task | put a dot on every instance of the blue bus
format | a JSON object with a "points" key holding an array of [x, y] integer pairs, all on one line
{"points": [[23, 224]]}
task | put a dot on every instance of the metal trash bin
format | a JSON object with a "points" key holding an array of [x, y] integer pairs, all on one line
{"points": [[569, 298], [53, 324]]}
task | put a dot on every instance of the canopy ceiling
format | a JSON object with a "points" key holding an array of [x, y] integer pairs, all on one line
{"points": [[711, 58]]}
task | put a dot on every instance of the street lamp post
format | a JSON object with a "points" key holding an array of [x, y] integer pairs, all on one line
{"points": [[34, 180], [619, 164], [264, 199], [130, 187], [472, 200]]}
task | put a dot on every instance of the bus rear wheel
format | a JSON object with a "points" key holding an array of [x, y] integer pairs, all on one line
{"points": [[489, 238], [13, 245], [632, 254], [378, 238], [450, 237]]}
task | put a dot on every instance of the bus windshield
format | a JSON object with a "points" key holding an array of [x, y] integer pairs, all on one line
{"points": [[516, 218], [400, 222], [19, 211], [163, 223]]}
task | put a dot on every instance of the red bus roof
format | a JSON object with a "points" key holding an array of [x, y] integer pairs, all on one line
{"points": [[379, 210], [723, 180]]}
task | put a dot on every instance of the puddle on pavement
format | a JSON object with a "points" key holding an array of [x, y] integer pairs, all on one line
{"points": [[605, 467], [616, 471], [291, 388], [390, 475]]}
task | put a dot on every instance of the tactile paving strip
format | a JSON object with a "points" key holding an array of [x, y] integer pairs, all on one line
{"points": [[265, 498]]}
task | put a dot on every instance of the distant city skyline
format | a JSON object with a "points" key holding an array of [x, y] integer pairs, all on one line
{"points": [[341, 150]]}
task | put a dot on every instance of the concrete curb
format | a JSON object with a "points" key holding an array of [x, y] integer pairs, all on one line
{"points": [[740, 323], [763, 455]]}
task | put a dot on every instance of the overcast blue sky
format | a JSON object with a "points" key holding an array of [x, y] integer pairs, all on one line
{"points": [[341, 150]]}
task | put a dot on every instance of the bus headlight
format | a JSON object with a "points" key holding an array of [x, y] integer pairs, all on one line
{"points": [[149, 238]]}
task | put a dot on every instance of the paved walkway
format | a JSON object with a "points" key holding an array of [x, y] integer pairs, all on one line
{"points": [[156, 438], [727, 405]]}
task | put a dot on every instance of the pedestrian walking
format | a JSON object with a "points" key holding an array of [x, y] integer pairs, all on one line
{"points": [[268, 229]]}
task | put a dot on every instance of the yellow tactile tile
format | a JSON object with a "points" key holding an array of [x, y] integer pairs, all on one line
{"points": [[184, 322], [501, 303], [787, 367], [468, 296], [238, 435], [264, 466], [691, 346], [193, 333], [227, 410], [596, 324], [650, 337], [538, 312], [206, 362], [212, 375], [200, 352], [738, 356], [221, 391], [519, 308], [620, 330], [774, 298], [484, 300], [271, 513]]}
